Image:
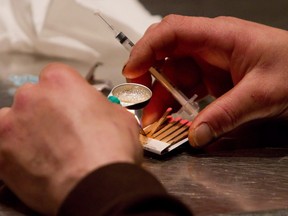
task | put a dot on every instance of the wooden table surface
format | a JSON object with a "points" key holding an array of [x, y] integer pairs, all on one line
{"points": [[239, 181], [243, 173]]}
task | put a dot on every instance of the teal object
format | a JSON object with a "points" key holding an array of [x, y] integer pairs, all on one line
{"points": [[114, 99], [19, 80]]}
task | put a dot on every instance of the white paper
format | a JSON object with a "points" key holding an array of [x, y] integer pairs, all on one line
{"points": [[160, 148], [69, 29]]}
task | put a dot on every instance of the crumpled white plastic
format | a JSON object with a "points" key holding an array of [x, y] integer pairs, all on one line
{"points": [[69, 29]]}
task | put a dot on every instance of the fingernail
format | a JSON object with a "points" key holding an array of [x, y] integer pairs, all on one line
{"points": [[202, 135]]}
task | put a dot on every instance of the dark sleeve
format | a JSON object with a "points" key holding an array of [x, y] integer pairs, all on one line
{"points": [[121, 189]]}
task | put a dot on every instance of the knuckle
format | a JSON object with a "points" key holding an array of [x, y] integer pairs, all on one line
{"points": [[23, 95], [226, 18], [56, 73], [59, 75], [175, 21], [261, 97], [52, 71], [171, 18], [151, 27]]}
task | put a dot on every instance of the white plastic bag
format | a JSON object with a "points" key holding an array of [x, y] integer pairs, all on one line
{"points": [[69, 29]]}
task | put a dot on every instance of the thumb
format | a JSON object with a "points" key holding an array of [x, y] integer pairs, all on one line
{"points": [[243, 103]]}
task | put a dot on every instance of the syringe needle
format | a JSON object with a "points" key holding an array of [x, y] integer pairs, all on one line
{"points": [[107, 23], [120, 36]]}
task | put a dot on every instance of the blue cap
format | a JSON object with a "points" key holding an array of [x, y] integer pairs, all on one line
{"points": [[114, 99]]}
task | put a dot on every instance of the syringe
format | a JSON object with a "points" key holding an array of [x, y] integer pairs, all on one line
{"points": [[189, 108]]}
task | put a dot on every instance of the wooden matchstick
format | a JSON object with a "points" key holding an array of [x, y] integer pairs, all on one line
{"points": [[170, 122], [170, 130], [179, 138], [160, 121], [148, 128], [178, 132]]}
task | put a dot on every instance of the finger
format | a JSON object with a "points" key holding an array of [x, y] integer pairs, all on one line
{"points": [[172, 38], [145, 79], [59, 74], [200, 38], [242, 104], [24, 97], [141, 60], [61, 77]]}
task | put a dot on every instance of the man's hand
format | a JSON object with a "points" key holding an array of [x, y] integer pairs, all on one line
{"points": [[58, 131], [243, 64]]}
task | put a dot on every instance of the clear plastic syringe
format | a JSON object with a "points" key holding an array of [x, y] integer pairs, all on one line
{"points": [[189, 107]]}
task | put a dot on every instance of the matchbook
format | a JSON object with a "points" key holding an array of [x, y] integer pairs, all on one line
{"points": [[165, 134]]}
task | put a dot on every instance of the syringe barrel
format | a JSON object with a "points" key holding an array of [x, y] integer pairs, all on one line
{"points": [[125, 41]]}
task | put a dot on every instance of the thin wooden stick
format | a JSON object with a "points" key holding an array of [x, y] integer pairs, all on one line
{"points": [[171, 121], [149, 127], [177, 132], [170, 130], [160, 121], [178, 138]]}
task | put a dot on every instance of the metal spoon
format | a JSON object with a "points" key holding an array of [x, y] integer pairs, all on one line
{"points": [[133, 96]]}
